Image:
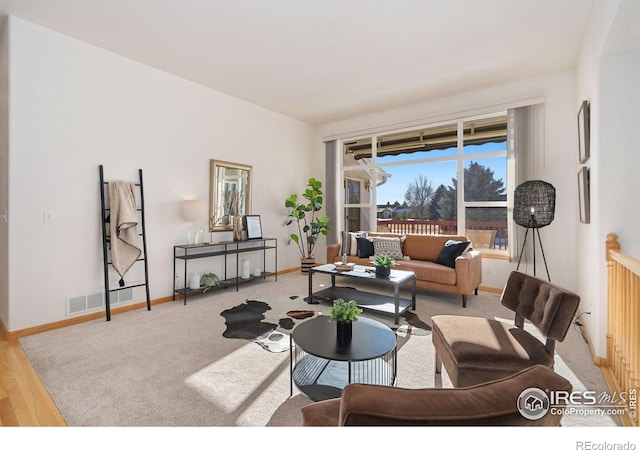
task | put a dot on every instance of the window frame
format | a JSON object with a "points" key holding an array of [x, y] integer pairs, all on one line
{"points": [[460, 157]]}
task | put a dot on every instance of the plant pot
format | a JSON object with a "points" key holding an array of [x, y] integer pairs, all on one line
{"points": [[306, 264], [383, 272], [344, 330]]}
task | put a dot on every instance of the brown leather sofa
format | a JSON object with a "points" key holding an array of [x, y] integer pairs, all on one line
{"points": [[422, 251], [492, 403]]}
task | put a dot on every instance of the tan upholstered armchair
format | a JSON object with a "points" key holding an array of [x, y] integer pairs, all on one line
{"points": [[476, 349], [492, 403]]}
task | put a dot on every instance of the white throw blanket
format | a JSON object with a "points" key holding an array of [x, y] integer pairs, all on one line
{"points": [[123, 227]]}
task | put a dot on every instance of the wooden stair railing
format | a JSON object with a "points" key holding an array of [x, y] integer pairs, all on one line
{"points": [[623, 326]]}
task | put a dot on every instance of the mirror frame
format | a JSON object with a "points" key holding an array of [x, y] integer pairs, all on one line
{"points": [[215, 186]]}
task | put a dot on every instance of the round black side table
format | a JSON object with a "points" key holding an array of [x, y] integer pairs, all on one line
{"points": [[321, 365]]}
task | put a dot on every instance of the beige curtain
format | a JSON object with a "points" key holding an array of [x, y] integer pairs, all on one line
{"points": [[525, 161], [332, 191]]}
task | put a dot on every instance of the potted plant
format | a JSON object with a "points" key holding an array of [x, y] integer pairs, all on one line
{"points": [[383, 265], [209, 280], [310, 227], [344, 313]]}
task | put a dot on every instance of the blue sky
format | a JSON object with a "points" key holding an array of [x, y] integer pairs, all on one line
{"points": [[438, 173]]}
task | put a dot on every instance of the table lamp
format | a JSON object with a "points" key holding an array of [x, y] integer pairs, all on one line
{"points": [[194, 211]]}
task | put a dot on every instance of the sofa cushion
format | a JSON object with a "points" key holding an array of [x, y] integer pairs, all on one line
{"points": [[430, 271], [365, 247], [549, 307], [451, 250], [390, 247], [324, 413], [427, 247]]}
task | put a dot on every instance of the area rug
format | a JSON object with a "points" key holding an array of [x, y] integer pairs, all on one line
{"points": [[274, 341], [248, 320], [414, 326]]}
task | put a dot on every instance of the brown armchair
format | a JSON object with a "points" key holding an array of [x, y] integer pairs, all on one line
{"points": [[474, 350], [492, 403]]}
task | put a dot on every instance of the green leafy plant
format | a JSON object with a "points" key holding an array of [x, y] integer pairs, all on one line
{"points": [[383, 261], [303, 214], [209, 280], [344, 311]]}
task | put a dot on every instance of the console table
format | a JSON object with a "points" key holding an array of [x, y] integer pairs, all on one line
{"points": [[186, 253]]}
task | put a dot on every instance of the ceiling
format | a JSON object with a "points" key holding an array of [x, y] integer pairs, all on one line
{"points": [[321, 61]]}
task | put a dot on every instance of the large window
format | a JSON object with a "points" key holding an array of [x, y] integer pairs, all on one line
{"points": [[449, 178]]}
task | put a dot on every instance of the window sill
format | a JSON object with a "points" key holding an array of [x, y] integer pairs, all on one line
{"points": [[494, 254]]}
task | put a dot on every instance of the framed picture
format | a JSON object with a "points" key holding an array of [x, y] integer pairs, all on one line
{"points": [[254, 228], [583, 195], [583, 132]]}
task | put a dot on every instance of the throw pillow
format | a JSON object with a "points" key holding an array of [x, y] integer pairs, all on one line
{"points": [[346, 246], [351, 246], [390, 247], [451, 250], [365, 247]]}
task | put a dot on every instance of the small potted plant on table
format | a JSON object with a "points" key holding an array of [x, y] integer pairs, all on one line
{"points": [[383, 266], [344, 313]]}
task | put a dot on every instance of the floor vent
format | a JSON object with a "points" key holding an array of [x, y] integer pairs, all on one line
{"points": [[94, 302], [76, 305]]}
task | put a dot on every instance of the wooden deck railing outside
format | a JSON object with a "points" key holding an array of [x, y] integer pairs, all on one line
{"points": [[418, 226], [623, 325]]}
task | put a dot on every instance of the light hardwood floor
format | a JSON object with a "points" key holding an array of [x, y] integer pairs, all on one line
{"points": [[24, 401]]}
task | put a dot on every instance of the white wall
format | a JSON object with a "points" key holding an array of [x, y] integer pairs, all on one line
{"points": [[609, 81], [615, 180], [618, 154], [74, 107], [558, 92], [4, 167]]}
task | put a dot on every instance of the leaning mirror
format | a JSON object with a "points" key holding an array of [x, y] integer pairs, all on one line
{"points": [[229, 195]]}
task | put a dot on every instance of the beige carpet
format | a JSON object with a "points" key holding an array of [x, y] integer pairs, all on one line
{"points": [[171, 366]]}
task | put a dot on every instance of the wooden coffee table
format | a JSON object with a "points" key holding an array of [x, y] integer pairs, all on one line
{"points": [[367, 300]]}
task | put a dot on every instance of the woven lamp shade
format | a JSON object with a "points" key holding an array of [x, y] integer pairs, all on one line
{"points": [[536, 194]]}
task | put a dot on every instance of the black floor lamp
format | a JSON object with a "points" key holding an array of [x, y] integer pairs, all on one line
{"points": [[534, 205]]}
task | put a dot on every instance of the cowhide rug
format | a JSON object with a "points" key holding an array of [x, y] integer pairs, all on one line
{"points": [[247, 321], [414, 326]]}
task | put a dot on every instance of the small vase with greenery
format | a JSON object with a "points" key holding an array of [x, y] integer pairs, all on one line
{"points": [[303, 213], [344, 313], [383, 265]]}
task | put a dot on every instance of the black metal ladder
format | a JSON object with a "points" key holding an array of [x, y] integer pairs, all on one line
{"points": [[106, 244]]}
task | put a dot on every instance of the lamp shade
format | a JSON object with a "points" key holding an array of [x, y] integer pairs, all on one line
{"points": [[534, 204], [194, 210]]}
